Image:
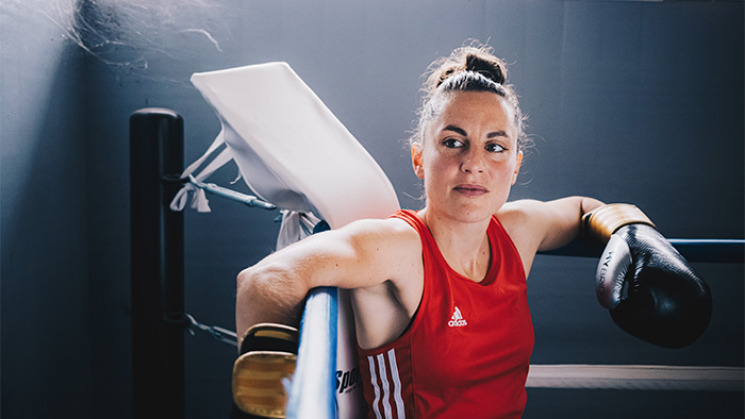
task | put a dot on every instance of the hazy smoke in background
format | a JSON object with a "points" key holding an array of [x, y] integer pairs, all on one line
{"points": [[131, 33]]}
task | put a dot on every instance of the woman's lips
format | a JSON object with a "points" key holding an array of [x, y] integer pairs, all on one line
{"points": [[471, 190]]}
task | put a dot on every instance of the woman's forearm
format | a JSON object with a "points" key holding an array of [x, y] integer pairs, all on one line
{"points": [[266, 295]]}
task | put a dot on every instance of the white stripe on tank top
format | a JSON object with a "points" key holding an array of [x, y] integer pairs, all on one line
{"points": [[380, 382]]}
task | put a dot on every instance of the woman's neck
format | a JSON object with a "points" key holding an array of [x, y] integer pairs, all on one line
{"points": [[464, 245]]}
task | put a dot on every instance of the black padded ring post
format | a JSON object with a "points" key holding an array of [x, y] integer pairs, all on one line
{"points": [[156, 162]]}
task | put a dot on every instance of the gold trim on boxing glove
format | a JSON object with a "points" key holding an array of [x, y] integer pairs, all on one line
{"points": [[268, 356], [272, 330], [605, 220], [258, 387]]}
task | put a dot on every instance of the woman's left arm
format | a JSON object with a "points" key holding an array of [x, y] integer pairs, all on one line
{"points": [[665, 303], [538, 226]]}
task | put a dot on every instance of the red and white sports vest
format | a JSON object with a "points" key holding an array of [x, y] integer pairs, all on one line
{"points": [[466, 353]]}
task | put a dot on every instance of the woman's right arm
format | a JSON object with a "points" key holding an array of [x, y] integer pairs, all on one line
{"points": [[361, 254]]}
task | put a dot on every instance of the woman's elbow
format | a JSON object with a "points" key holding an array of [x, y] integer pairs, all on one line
{"points": [[262, 296], [244, 278], [270, 287], [260, 282]]}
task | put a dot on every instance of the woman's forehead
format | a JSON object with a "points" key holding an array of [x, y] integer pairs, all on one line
{"points": [[488, 102], [483, 109]]}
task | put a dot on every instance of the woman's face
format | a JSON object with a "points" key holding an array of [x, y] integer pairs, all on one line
{"points": [[468, 157]]}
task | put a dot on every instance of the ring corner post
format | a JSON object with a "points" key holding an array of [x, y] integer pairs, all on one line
{"points": [[157, 263]]}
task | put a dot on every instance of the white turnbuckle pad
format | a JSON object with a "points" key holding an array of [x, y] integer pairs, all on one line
{"points": [[290, 149]]}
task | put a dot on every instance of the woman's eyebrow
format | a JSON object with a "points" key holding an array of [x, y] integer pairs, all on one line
{"points": [[456, 129], [497, 134], [461, 131]]}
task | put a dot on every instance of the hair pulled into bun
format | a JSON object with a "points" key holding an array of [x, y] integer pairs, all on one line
{"points": [[475, 58], [472, 67], [492, 69]]}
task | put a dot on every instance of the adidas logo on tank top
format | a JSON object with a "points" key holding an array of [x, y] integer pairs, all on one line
{"points": [[457, 320]]}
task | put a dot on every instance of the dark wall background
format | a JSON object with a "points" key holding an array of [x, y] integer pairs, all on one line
{"points": [[637, 102]]}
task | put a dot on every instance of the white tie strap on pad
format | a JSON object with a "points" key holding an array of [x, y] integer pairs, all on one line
{"points": [[290, 149]]}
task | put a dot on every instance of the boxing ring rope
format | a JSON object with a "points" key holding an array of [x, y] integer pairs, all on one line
{"points": [[636, 377], [694, 250], [313, 392], [159, 319], [248, 200]]}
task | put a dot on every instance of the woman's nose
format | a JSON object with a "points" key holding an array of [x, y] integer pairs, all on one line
{"points": [[472, 162]]}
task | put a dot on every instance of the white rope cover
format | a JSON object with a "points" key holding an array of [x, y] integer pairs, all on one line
{"points": [[636, 377], [313, 392]]}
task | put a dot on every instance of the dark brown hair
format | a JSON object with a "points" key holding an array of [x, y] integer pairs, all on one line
{"points": [[469, 68]]}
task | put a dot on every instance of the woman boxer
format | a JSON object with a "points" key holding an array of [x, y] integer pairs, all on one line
{"points": [[439, 294]]}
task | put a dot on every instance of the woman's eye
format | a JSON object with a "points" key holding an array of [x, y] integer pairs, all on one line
{"points": [[494, 148], [452, 143]]}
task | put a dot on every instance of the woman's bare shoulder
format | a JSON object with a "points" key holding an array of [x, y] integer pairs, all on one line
{"points": [[523, 221], [522, 212], [389, 236]]}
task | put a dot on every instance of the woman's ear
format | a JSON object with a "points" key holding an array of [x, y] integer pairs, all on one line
{"points": [[519, 162], [416, 160]]}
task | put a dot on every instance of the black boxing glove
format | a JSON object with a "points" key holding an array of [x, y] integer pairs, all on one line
{"points": [[649, 288]]}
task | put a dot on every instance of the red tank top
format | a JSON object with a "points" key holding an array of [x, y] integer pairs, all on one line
{"points": [[466, 353]]}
